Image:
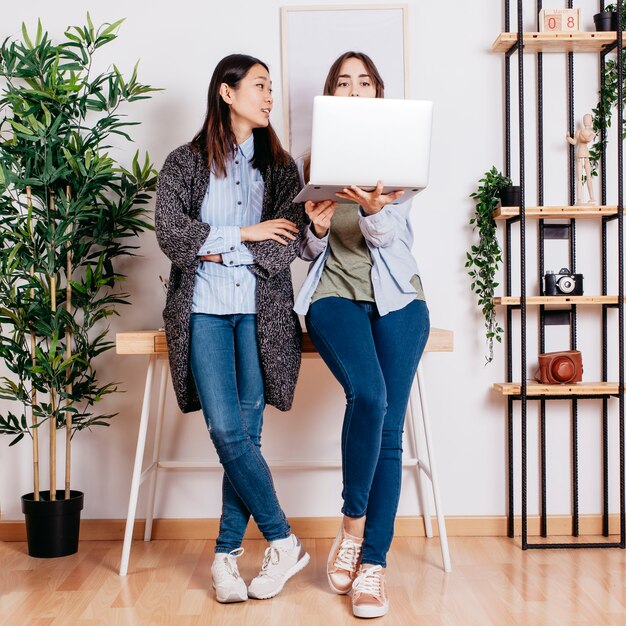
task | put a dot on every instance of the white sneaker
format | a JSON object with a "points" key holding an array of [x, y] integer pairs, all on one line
{"points": [[228, 584], [279, 565], [369, 598]]}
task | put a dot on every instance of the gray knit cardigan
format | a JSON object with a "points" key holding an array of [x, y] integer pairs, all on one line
{"points": [[181, 187]]}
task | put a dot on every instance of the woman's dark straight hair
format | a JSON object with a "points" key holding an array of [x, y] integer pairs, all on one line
{"points": [[331, 84], [216, 138]]}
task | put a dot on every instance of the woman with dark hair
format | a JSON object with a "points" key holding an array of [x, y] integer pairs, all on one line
{"points": [[367, 316], [225, 219]]}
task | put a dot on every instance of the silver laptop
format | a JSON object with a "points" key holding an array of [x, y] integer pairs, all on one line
{"points": [[358, 141]]}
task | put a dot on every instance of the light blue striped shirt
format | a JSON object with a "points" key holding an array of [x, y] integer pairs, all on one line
{"points": [[230, 202]]}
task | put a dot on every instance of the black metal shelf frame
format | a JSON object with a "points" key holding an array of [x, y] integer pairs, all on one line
{"points": [[570, 317]]}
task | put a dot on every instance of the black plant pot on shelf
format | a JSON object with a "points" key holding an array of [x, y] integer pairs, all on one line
{"points": [[511, 196], [604, 21], [614, 21], [52, 527]]}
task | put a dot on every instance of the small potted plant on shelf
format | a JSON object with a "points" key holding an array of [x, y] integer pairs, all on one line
{"points": [[67, 211], [612, 9], [484, 257], [604, 20], [510, 195]]}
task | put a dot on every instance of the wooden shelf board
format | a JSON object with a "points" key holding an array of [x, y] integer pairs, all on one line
{"points": [[556, 42], [539, 389], [537, 300], [153, 342], [556, 212]]}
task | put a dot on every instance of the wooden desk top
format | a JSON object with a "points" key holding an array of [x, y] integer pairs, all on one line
{"points": [[153, 342]]}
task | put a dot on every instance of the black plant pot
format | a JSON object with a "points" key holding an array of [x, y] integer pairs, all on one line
{"points": [[52, 527], [614, 21], [605, 21], [511, 196]]}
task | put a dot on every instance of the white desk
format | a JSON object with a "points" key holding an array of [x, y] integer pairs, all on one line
{"points": [[152, 343]]}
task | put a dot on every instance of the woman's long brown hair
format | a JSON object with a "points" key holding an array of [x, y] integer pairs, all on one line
{"points": [[333, 73], [216, 138], [331, 84]]}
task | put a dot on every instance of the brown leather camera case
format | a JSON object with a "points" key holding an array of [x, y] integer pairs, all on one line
{"points": [[560, 368]]}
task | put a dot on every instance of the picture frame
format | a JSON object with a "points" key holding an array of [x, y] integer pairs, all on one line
{"points": [[312, 37]]}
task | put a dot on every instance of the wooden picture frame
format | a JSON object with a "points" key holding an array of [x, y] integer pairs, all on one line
{"points": [[312, 37]]}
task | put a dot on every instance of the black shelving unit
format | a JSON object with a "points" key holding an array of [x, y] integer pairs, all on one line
{"points": [[517, 45]]}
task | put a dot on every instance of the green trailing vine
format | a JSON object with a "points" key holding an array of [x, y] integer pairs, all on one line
{"points": [[484, 258], [602, 113]]}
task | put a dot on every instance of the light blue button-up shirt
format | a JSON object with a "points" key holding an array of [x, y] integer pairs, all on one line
{"points": [[389, 238], [230, 202]]}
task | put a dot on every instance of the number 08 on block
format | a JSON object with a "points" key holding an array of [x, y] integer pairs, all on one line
{"points": [[559, 20]]}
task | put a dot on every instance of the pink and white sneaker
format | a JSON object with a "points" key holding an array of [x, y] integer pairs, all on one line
{"points": [[343, 561]]}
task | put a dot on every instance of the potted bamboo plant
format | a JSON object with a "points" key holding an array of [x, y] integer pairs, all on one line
{"points": [[68, 210]]}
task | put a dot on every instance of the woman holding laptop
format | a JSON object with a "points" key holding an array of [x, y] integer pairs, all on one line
{"points": [[367, 316], [225, 219]]}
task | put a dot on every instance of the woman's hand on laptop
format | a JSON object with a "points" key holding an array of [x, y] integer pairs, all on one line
{"points": [[371, 201], [320, 214], [277, 229]]}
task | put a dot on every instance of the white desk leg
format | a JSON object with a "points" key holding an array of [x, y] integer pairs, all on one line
{"points": [[136, 480], [443, 536], [423, 489], [156, 450]]}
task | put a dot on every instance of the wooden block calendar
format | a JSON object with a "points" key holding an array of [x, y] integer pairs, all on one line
{"points": [[559, 20]]}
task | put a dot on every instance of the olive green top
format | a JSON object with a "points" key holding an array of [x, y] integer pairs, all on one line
{"points": [[349, 264], [347, 271]]}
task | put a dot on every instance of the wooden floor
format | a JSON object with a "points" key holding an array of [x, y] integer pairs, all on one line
{"points": [[492, 582]]}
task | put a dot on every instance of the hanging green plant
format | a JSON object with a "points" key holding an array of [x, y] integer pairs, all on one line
{"points": [[484, 258], [603, 111]]}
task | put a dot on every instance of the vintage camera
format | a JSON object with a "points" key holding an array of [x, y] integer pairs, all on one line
{"points": [[563, 284], [560, 368]]}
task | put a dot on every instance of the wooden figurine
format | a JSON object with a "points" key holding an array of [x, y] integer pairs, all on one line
{"points": [[583, 136]]}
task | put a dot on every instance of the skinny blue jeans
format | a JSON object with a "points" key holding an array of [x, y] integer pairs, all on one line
{"points": [[227, 372], [374, 358]]}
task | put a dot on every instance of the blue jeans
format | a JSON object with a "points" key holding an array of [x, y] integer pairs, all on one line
{"points": [[374, 358], [226, 369]]}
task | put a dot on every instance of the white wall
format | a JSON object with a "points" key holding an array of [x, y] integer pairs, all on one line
{"points": [[450, 63]]}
